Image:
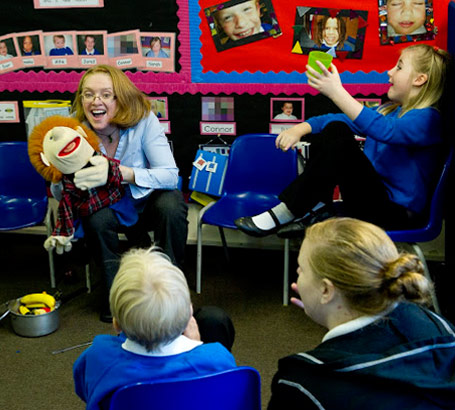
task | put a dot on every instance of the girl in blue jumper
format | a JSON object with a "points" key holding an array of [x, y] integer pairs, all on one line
{"points": [[390, 182]]}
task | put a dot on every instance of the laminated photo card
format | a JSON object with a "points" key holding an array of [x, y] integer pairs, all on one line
{"points": [[158, 51], [91, 47], [123, 49], [340, 33], [31, 48], [9, 54], [59, 47], [159, 107], [237, 22], [402, 21], [287, 109]]}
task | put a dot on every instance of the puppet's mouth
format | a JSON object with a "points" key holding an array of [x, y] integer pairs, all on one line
{"points": [[70, 147]]}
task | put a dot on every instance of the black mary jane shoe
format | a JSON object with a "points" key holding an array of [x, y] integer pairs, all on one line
{"points": [[246, 225], [293, 230], [297, 228]]}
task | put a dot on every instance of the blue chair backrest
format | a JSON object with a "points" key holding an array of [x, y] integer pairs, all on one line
{"points": [[256, 165], [434, 225], [234, 389], [18, 177]]}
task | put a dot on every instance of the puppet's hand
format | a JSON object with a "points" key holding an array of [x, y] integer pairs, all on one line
{"points": [[60, 243], [94, 176]]}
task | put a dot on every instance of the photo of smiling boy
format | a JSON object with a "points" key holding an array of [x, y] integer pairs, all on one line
{"points": [[60, 47], [240, 22], [406, 17]]}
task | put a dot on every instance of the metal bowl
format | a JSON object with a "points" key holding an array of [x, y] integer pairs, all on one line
{"points": [[31, 325]]}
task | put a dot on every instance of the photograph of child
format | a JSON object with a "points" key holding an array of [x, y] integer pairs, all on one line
{"points": [[406, 17], [235, 23], [402, 21], [320, 29], [7, 50], [331, 33], [157, 51], [286, 109], [123, 49], [156, 48], [90, 44], [60, 46], [29, 45], [30, 48], [159, 107], [10, 59]]}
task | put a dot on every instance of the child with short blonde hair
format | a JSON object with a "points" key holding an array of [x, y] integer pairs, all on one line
{"points": [[159, 336]]}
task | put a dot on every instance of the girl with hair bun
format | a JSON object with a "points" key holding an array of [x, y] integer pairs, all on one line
{"points": [[384, 349]]}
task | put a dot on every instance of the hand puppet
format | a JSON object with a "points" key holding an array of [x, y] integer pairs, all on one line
{"points": [[60, 147]]}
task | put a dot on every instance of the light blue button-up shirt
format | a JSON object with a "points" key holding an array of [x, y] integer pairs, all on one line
{"points": [[146, 150]]}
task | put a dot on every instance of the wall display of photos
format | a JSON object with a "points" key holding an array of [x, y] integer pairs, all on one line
{"points": [[154, 51], [268, 56]]}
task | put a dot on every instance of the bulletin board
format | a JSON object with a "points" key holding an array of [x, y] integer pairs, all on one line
{"points": [[266, 66], [271, 62]]}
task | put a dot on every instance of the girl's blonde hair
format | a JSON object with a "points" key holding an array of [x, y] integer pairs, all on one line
{"points": [[149, 298], [132, 104], [364, 264], [429, 60]]}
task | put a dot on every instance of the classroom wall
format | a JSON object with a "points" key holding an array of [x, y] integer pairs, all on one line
{"points": [[252, 74]]}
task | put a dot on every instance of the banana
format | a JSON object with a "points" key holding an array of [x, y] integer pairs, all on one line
{"points": [[36, 305], [34, 298], [24, 311]]}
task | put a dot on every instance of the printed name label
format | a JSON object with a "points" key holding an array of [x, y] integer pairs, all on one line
{"points": [[225, 128], [124, 62]]}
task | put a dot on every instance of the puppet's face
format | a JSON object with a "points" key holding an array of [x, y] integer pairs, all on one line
{"points": [[67, 149]]}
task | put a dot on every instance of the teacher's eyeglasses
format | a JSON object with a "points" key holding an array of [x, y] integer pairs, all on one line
{"points": [[89, 97]]}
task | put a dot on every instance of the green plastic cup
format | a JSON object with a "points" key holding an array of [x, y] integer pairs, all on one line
{"points": [[324, 58]]}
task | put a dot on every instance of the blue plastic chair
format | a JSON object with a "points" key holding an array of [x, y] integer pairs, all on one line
{"points": [[433, 227], [23, 193], [256, 174], [23, 196], [234, 389]]}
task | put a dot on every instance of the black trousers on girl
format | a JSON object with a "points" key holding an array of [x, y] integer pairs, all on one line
{"points": [[336, 159]]}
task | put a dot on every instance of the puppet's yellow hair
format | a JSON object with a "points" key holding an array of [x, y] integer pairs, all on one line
{"points": [[35, 143]]}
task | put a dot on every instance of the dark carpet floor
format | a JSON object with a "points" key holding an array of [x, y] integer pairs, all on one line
{"points": [[249, 288]]}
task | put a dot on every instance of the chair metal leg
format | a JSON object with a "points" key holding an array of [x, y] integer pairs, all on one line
{"points": [[199, 256], [421, 256], [51, 267], [88, 281], [48, 223], [223, 241], [199, 246], [286, 273]]}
